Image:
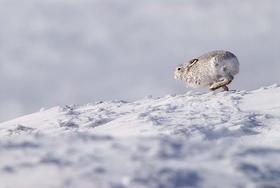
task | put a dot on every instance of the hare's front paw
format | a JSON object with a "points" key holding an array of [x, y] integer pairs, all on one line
{"points": [[220, 84], [215, 86]]}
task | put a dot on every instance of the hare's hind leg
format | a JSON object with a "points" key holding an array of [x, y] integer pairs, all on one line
{"points": [[225, 88], [221, 84]]}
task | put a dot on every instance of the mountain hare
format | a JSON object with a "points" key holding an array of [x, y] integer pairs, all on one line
{"points": [[213, 69]]}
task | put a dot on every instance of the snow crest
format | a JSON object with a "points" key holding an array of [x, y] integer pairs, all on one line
{"points": [[190, 140]]}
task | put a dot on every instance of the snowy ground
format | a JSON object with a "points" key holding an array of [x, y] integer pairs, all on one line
{"points": [[215, 139]]}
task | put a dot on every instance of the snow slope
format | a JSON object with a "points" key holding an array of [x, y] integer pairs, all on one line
{"points": [[215, 139]]}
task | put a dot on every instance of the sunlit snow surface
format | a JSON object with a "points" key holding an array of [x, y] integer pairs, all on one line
{"points": [[215, 139]]}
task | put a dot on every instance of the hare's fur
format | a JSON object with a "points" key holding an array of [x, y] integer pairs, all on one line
{"points": [[215, 70]]}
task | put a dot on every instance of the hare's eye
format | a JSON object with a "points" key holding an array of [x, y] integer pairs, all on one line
{"points": [[178, 68]]}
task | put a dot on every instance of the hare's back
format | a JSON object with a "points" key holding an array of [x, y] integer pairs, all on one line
{"points": [[218, 55]]}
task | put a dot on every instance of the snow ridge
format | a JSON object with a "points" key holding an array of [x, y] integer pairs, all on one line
{"points": [[189, 140]]}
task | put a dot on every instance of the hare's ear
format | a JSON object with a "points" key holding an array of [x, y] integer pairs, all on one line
{"points": [[193, 61]]}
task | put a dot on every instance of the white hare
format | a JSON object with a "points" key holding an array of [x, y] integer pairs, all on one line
{"points": [[214, 69]]}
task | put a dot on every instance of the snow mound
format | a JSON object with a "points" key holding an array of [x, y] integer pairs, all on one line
{"points": [[226, 139]]}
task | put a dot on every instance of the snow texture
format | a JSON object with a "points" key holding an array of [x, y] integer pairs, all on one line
{"points": [[216, 139]]}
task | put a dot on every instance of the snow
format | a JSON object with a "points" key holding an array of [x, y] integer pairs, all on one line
{"points": [[214, 139]]}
